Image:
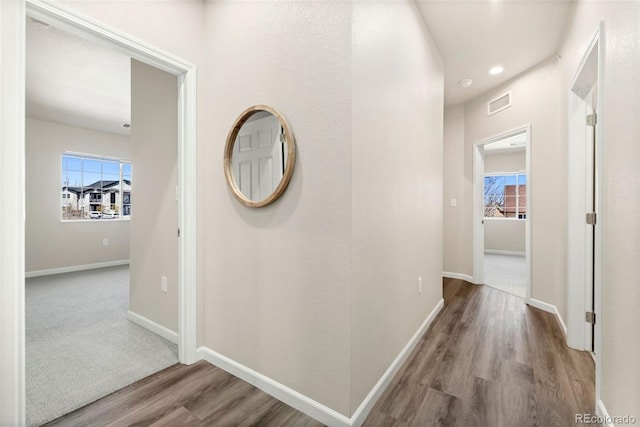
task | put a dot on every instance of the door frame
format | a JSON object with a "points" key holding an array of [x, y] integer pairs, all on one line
{"points": [[478, 205], [12, 183], [579, 292]]}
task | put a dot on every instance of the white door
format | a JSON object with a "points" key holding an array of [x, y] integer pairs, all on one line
{"points": [[258, 158]]}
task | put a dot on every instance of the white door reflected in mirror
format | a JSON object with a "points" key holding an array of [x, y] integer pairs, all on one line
{"points": [[259, 156]]}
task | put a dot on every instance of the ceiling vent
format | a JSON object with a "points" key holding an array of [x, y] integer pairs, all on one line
{"points": [[499, 103]]}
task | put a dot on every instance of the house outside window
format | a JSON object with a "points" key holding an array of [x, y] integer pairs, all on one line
{"points": [[95, 187], [505, 195]]}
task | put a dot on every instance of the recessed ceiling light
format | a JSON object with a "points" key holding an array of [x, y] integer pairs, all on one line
{"points": [[466, 82], [496, 70]]}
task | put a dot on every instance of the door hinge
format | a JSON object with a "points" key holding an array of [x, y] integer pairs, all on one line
{"points": [[590, 317], [592, 119], [178, 232], [591, 218]]}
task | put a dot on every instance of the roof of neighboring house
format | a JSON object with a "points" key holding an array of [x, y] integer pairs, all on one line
{"points": [[98, 186]]}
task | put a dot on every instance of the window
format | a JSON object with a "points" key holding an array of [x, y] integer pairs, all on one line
{"points": [[95, 187], [505, 196]]}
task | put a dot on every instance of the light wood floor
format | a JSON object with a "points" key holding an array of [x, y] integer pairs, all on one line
{"points": [[488, 360]]}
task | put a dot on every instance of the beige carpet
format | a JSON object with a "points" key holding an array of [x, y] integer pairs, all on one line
{"points": [[80, 345], [505, 272]]}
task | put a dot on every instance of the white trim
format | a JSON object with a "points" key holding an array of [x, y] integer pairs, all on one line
{"points": [[601, 179], [367, 404], [13, 15], [501, 252], [187, 218], [305, 404], [154, 327], [70, 20], [12, 213], [461, 276], [602, 412], [478, 210], [74, 268], [549, 308], [280, 391]]}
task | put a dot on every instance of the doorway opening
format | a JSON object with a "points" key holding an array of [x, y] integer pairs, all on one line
{"points": [[12, 109], [502, 212], [100, 248]]}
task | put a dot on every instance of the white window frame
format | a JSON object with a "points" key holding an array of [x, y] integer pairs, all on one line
{"points": [[82, 157], [516, 174]]}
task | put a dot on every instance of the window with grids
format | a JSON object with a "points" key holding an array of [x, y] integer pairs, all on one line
{"points": [[505, 195], [95, 187]]}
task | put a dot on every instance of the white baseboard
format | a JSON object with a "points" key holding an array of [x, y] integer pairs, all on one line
{"points": [[309, 406], [602, 412], [501, 252], [73, 268], [154, 327], [550, 308], [367, 404], [460, 276], [280, 391]]}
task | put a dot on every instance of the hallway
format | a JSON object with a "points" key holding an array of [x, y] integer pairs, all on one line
{"points": [[488, 360]]}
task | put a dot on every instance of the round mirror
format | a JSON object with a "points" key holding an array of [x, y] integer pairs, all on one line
{"points": [[259, 156]]}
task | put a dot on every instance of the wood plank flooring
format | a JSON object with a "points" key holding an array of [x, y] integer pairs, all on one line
{"points": [[196, 395], [488, 360]]}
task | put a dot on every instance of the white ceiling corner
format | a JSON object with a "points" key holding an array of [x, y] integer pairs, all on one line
{"points": [[474, 35], [76, 82]]}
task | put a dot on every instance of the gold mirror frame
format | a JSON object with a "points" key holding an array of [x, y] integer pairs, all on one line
{"points": [[228, 151]]}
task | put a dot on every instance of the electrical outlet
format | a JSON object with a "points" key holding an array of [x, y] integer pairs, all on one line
{"points": [[454, 202], [419, 285], [105, 242], [163, 283]]}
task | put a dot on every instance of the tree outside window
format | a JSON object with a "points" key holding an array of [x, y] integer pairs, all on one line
{"points": [[505, 196]]}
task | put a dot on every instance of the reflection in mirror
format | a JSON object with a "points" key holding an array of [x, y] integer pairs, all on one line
{"points": [[259, 156]]}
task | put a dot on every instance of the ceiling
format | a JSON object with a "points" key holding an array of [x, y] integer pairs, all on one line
{"points": [[474, 35], [77, 82], [513, 143]]}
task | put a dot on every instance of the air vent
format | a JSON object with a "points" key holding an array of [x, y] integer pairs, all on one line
{"points": [[499, 103]]}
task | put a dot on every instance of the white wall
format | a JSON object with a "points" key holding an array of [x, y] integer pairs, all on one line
{"points": [[154, 218], [620, 353], [535, 101], [548, 175], [502, 234], [397, 110], [277, 290], [278, 279], [51, 243], [458, 185], [509, 161]]}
